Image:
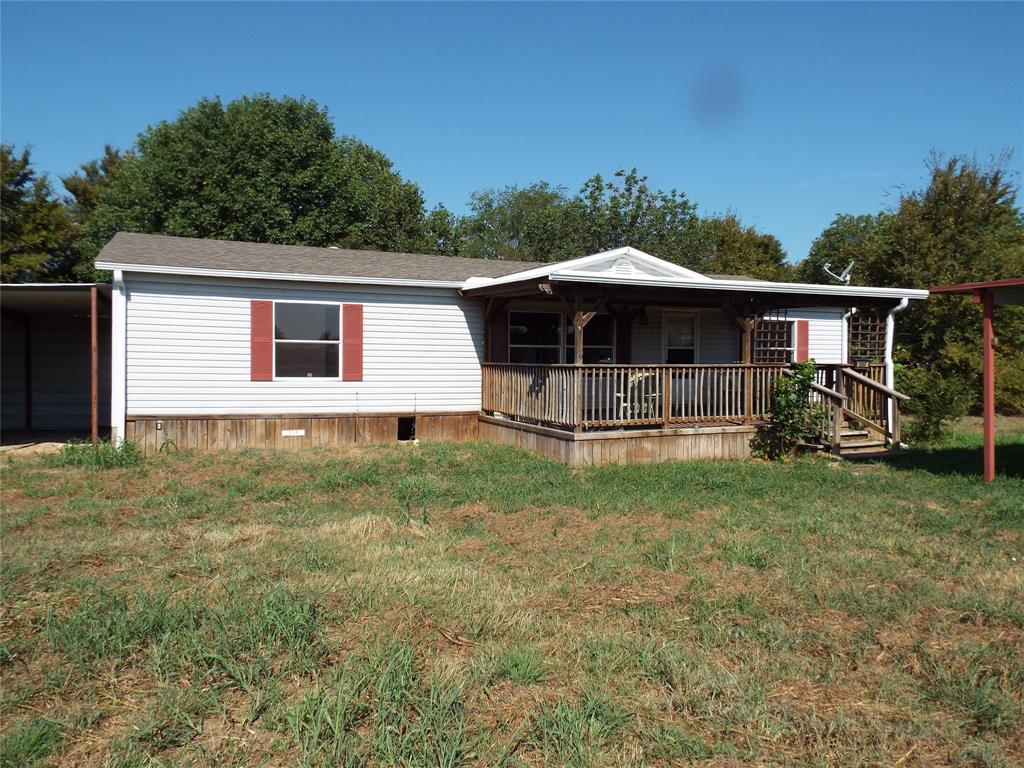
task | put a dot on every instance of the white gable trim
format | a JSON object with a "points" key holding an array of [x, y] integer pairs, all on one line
{"points": [[622, 262]]}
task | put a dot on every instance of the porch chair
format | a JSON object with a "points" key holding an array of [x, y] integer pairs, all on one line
{"points": [[642, 397]]}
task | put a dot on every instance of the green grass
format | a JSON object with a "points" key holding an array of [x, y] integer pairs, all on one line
{"points": [[472, 605], [103, 454]]}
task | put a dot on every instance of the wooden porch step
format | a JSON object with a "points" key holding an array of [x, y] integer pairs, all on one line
{"points": [[862, 447]]}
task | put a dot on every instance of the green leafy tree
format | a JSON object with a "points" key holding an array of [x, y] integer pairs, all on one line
{"points": [[964, 226], [627, 211], [87, 184], [534, 223], [847, 239], [259, 169], [35, 227], [725, 245], [544, 223]]}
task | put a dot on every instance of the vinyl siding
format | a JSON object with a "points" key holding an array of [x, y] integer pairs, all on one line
{"points": [[718, 339], [825, 333], [188, 350]]}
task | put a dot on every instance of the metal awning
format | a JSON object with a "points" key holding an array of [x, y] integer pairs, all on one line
{"points": [[989, 293]]}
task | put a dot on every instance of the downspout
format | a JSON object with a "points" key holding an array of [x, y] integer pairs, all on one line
{"points": [[118, 351], [890, 329], [845, 350]]}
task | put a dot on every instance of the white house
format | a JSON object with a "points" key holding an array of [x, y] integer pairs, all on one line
{"points": [[229, 344]]}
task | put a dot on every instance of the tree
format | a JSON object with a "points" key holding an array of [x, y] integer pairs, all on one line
{"points": [[728, 247], [964, 226], [543, 222], [258, 169], [535, 223], [87, 183], [847, 239], [35, 226], [628, 212]]}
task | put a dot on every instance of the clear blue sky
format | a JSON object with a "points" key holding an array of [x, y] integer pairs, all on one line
{"points": [[783, 113]]}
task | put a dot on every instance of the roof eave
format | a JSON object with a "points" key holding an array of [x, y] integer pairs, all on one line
{"points": [[758, 286], [279, 276]]}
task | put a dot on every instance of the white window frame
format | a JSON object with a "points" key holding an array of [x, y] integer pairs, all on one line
{"points": [[664, 333], [276, 341]]}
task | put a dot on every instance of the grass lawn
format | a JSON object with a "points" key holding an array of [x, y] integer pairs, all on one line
{"points": [[447, 605]]}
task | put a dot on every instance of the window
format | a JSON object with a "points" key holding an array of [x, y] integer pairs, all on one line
{"points": [[773, 341], [534, 337], [548, 338], [679, 337], [598, 340], [306, 340]]}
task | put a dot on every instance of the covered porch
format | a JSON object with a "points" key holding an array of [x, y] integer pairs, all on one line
{"points": [[623, 346]]}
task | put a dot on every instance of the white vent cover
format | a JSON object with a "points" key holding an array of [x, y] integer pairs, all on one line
{"points": [[623, 267]]}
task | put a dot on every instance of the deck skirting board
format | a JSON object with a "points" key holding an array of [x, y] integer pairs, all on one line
{"points": [[621, 446], [298, 431], [290, 432]]}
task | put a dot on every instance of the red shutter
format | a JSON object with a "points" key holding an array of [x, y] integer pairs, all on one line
{"points": [[352, 342], [802, 327], [499, 337], [261, 338]]}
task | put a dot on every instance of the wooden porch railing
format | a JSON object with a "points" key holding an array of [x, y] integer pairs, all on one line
{"points": [[616, 396], [602, 396]]}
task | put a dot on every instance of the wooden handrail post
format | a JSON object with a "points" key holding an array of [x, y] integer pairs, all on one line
{"points": [[577, 389], [895, 426], [748, 394], [666, 397], [837, 413]]}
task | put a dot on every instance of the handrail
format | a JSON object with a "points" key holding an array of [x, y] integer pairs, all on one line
{"points": [[820, 389], [847, 371]]}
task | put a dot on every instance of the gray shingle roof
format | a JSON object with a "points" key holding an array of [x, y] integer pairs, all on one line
{"points": [[192, 253]]}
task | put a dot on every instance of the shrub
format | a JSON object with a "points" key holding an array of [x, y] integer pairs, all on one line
{"points": [[935, 400], [101, 455], [794, 418], [1010, 383]]}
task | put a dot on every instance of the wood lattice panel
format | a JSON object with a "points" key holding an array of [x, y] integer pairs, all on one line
{"points": [[867, 337], [773, 341]]}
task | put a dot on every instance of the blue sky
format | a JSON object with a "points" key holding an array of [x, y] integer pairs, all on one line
{"points": [[784, 113]]}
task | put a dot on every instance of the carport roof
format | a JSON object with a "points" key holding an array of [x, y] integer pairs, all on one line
{"points": [[49, 298]]}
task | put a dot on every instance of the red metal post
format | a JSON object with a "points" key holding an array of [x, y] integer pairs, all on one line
{"points": [[988, 386], [94, 380]]}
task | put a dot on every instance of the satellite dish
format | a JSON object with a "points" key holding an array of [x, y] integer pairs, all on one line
{"points": [[844, 276]]}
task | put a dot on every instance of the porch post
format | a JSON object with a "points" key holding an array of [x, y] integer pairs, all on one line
{"points": [[988, 386], [579, 320], [94, 365], [748, 373]]}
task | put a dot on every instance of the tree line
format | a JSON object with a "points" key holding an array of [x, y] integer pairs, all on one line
{"points": [[275, 170]]}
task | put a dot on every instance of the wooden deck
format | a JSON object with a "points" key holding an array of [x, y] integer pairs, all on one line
{"points": [[596, 414]]}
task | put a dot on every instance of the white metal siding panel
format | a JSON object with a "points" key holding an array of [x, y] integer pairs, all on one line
{"points": [[824, 332], [646, 341], [717, 338], [188, 350]]}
